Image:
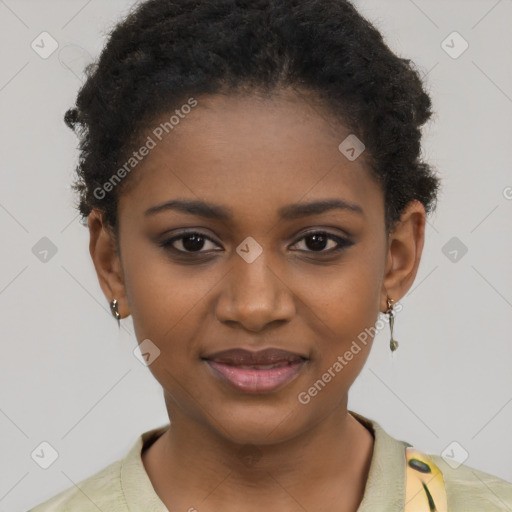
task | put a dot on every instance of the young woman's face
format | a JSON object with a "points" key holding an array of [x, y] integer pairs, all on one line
{"points": [[254, 277]]}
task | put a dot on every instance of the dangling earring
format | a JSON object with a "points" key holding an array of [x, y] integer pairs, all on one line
{"points": [[115, 312], [393, 344]]}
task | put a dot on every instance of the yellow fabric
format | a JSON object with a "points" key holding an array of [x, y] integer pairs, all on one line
{"points": [[124, 486], [425, 490]]}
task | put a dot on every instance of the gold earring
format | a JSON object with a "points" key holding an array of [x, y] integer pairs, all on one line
{"points": [[115, 312], [393, 344]]}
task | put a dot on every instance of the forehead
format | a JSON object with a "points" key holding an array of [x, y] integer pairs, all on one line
{"points": [[252, 154]]}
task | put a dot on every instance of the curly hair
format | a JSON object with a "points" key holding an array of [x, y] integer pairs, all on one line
{"points": [[167, 50]]}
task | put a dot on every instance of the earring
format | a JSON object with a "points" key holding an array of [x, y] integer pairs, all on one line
{"points": [[393, 344], [115, 312]]}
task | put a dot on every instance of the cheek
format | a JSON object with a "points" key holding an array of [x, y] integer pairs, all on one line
{"points": [[167, 301], [344, 310], [152, 290], [346, 300]]}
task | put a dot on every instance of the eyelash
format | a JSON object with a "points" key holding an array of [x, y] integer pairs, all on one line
{"points": [[343, 243]]}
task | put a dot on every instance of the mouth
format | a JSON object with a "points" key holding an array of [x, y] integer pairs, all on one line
{"points": [[256, 372]]}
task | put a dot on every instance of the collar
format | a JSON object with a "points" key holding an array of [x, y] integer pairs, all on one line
{"points": [[385, 486], [384, 491]]}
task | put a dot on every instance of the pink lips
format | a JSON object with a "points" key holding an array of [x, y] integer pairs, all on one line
{"points": [[256, 372]]}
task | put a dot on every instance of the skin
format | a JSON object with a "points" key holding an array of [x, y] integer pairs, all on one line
{"points": [[255, 155]]}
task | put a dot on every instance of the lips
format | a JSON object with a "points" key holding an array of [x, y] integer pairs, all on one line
{"points": [[266, 357], [255, 372]]}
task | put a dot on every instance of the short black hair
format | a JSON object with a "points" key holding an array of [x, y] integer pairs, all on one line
{"points": [[165, 51]]}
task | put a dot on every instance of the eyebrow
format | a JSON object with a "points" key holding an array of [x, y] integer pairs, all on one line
{"points": [[289, 212]]}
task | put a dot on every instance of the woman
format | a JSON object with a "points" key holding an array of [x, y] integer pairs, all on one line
{"points": [[251, 180]]}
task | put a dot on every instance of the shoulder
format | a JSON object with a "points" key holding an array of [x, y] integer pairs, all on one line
{"points": [[471, 490], [121, 486], [467, 489], [101, 491]]}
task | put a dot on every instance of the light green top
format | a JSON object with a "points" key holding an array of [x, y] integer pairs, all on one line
{"points": [[124, 485]]}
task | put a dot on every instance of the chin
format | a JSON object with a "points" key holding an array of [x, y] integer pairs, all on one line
{"points": [[258, 424]]}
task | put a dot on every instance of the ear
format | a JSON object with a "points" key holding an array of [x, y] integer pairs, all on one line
{"points": [[405, 245], [107, 262]]}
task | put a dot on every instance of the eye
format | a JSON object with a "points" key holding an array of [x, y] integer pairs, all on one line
{"points": [[316, 241], [188, 242]]}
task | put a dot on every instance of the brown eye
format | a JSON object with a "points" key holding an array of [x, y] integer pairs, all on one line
{"points": [[188, 242], [318, 241]]}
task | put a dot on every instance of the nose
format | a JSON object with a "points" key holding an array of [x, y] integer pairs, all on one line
{"points": [[254, 296]]}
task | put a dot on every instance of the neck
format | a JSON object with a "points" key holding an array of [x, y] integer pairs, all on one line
{"points": [[192, 466]]}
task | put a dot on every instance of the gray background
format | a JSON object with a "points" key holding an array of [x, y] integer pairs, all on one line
{"points": [[69, 376]]}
